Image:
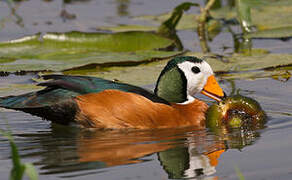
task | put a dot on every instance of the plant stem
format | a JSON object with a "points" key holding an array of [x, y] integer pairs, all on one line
{"points": [[167, 28], [202, 26]]}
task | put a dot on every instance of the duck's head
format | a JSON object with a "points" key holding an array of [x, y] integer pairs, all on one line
{"points": [[185, 76]]}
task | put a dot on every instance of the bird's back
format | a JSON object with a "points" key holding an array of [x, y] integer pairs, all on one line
{"points": [[57, 101]]}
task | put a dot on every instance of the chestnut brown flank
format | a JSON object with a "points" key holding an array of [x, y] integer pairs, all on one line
{"points": [[117, 109]]}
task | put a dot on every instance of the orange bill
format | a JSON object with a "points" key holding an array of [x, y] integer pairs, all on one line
{"points": [[212, 89]]}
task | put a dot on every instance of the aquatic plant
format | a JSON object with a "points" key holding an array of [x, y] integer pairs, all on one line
{"points": [[19, 169]]}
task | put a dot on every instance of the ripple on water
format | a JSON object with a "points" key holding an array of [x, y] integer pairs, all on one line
{"points": [[59, 151]]}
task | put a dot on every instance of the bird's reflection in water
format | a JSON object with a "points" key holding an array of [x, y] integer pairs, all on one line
{"points": [[182, 152], [187, 162], [199, 157]]}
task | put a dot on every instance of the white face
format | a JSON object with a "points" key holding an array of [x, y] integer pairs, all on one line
{"points": [[195, 80]]}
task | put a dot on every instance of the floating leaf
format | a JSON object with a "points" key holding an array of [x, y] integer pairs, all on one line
{"points": [[187, 21], [168, 21], [272, 16], [148, 73], [239, 62], [236, 66], [127, 27], [118, 42], [266, 15], [143, 74], [65, 61], [281, 32], [60, 51], [281, 75], [244, 63], [6, 89], [166, 29], [257, 3]]}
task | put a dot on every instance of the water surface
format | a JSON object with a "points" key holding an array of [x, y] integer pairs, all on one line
{"points": [[60, 152]]}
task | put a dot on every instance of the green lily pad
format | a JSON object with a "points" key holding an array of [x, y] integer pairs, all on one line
{"points": [[117, 42], [148, 73], [66, 61], [8, 89], [281, 75], [268, 14], [270, 17], [168, 22], [239, 62], [61, 51], [281, 32], [143, 74], [167, 28], [127, 27], [241, 67], [187, 21]]}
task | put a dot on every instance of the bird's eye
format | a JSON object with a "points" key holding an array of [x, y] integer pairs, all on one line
{"points": [[196, 70]]}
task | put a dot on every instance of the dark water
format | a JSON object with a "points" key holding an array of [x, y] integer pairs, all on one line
{"points": [[60, 152]]}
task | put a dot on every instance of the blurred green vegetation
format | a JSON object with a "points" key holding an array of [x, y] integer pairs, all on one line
{"points": [[19, 169]]}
